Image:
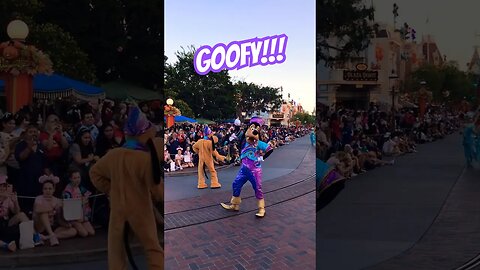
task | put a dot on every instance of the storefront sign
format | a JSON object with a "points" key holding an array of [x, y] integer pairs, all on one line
{"points": [[277, 115], [361, 74]]}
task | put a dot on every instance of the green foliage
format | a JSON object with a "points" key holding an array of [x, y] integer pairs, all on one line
{"points": [[184, 108], [66, 55], [255, 98], [304, 118], [210, 96], [441, 79], [214, 96], [348, 22]]}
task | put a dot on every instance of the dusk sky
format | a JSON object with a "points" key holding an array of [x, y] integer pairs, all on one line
{"points": [[453, 24], [208, 22]]}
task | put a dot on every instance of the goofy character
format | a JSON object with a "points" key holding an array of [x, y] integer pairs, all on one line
{"points": [[205, 148], [253, 153]]}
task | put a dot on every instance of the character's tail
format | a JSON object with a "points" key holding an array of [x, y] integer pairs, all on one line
{"points": [[127, 246]]}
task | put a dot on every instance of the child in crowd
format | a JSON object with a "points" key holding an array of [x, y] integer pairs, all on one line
{"points": [[74, 190], [188, 158], [48, 214], [168, 160], [179, 158]]}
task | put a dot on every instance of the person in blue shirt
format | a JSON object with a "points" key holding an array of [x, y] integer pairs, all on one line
{"points": [[253, 153], [312, 137], [468, 143]]}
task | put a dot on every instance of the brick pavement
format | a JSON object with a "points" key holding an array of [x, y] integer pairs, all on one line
{"points": [[304, 170], [284, 239]]}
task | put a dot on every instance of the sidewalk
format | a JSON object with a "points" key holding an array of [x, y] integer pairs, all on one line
{"points": [[73, 250], [193, 171]]}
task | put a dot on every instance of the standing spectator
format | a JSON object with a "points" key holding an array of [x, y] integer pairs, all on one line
{"points": [[106, 140], [83, 155], [54, 144], [88, 122], [8, 141], [31, 157]]}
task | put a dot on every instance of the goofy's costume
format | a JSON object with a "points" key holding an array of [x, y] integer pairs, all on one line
{"points": [[131, 177], [253, 153]]}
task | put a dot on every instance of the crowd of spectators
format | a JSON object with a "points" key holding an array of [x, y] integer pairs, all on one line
{"points": [[355, 141], [43, 161], [181, 137]]}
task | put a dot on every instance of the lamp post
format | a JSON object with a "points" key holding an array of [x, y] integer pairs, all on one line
{"points": [[393, 76], [18, 85], [170, 113], [244, 114]]}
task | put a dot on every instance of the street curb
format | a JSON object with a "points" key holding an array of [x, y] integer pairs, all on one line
{"points": [[181, 173], [80, 256]]}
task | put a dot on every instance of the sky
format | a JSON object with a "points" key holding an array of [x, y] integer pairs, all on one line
{"points": [[453, 24], [208, 22]]}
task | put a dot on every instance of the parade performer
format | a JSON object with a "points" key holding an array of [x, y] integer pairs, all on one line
{"points": [[205, 148], [329, 184], [130, 175], [312, 137], [253, 153], [469, 143]]}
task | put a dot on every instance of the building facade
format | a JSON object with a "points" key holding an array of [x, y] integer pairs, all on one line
{"points": [[374, 73]]}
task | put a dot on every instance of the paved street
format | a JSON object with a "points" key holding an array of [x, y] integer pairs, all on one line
{"points": [[282, 161], [201, 235], [385, 212]]}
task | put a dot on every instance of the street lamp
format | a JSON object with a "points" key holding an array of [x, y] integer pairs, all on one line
{"points": [[17, 30], [393, 76], [170, 112]]}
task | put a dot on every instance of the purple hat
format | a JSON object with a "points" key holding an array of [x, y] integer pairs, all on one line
{"points": [[206, 132], [257, 120], [137, 123]]}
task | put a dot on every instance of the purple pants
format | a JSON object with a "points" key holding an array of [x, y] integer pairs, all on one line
{"points": [[248, 172]]}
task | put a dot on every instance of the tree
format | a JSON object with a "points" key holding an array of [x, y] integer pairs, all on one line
{"points": [[66, 55], [446, 78], [255, 98], [123, 38], [304, 118], [343, 29], [209, 96]]}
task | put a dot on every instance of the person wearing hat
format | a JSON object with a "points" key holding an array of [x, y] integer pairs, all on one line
{"points": [[127, 175], [253, 153], [205, 148]]}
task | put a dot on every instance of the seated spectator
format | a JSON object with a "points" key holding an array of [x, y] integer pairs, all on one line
{"points": [[391, 146], [179, 159], [48, 214], [54, 143], [188, 158], [74, 190], [167, 160]]}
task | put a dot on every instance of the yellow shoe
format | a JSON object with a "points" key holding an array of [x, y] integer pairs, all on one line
{"points": [[202, 185], [234, 204], [261, 208]]}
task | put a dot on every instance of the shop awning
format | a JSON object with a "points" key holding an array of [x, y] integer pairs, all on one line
{"points": [[58, 86]]}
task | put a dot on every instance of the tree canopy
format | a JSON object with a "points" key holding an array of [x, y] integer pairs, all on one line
{"points": [[343, 29], [449, 78], [214, 95], [95, 40]]}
